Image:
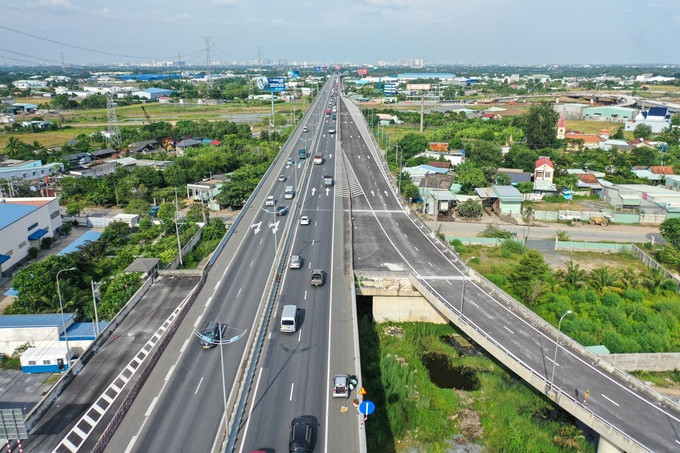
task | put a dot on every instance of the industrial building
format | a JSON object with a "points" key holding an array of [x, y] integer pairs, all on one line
{"points": [[23, 223]]}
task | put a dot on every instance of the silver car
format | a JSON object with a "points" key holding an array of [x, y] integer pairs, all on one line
{"points": [[295, 262]]}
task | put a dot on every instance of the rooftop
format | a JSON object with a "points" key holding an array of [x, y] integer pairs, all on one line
{"points": [[10, 213], [41, 320]]}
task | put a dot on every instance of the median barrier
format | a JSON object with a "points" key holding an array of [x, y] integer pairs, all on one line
{"points": [[111, 427]]}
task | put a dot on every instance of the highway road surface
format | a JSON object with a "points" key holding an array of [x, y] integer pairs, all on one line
{"points": [[391, 240], [182, 405], [295, 372]]}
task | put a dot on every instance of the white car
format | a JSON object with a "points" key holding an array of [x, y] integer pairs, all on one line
{"points": [[295, 262], [271, 201], [304, 220], [282, 178]]}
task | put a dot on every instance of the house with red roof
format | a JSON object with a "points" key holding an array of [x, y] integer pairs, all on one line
{"points": [[544, 169]]}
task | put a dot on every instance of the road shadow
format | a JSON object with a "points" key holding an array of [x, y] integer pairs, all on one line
{"points": [[379, 435]]}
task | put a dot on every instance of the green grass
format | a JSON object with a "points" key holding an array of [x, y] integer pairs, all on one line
{"points": [[666, 379], [10, 363], [412, 413]]}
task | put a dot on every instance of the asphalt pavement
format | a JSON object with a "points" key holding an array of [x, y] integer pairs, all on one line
{"points": [[395, 234]]}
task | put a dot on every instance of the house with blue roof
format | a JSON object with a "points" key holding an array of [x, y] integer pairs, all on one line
{"points": [[23, 224], [46, 339]]}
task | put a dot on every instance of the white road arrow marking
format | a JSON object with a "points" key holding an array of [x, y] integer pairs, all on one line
{"points": [[372, 193], [385, 193], [327, 190], [256, 227], [300, 165], [313, 190], [274, 226], [330, 156]]}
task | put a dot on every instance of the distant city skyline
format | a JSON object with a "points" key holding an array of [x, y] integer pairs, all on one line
{"points": [[513, 32]]}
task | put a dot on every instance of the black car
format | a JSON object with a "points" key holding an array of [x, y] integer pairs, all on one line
{"points": [[301, 431], [281, 210], [212, 334]]}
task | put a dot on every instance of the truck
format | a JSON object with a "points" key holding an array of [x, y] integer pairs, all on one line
{"points": [[302, 154], [318, 159]]}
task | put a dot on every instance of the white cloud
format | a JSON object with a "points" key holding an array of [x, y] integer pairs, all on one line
{"points": [[56, 5]]}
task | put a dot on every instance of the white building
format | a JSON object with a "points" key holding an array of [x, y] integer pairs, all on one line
{"points": [[26, 84], [152, 94], [657, 118], [23, 223]]}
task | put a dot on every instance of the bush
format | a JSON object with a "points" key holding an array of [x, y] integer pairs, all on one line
{"points": [[46, 243], [470, 209], [510, 248], [33, 253], [611, 300], [492, 231], [634, 295]]}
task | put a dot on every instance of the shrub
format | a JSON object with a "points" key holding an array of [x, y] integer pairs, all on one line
{"points": [[510, 248], [634, 295], [33, 252], [492, 231], [611, 299]]}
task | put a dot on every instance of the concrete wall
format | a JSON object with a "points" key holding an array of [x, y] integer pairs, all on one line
{"points": [[12, 338], [405, 309], [661, 361], [189, 246]]}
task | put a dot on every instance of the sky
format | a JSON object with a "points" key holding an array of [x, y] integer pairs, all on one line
{"points": [[341, 31]]}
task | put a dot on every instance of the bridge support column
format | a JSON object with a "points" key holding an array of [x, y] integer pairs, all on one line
{"points": [[405, 309], [604, 446]]}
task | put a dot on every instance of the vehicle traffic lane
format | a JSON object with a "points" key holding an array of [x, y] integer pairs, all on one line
{"points": [[169, 415], [292, 360], [236, 302]]}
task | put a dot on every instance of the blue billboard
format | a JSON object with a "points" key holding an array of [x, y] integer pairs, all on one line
{"points": [[293, 74], [271, 84]]}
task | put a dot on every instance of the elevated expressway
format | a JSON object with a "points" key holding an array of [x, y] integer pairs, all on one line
{"points": [[387, 238]]}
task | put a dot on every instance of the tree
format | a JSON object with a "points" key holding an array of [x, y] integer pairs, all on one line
{"points": [[470, 177], [138, 206], [670, 230], [541, 125], [520, 156], [74, 209], [642, 131], [644, 155], [654, 280], [602, 279], [618, 135], [115, 234], [485, 154], [503, 180], [530, 277], [412, 144], [573, 277], [410, 191], [470, 209]]}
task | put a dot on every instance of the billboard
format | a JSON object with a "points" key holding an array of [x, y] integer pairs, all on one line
{"points": [[439, 146], [418, 86], [320, 68], [293, 74], [271, 84], [362, 71]]}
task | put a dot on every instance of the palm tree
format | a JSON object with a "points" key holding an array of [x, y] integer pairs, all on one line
{"points": [[573, 277], [13, 146], [628, 278], [602, 278], [654, 279]]}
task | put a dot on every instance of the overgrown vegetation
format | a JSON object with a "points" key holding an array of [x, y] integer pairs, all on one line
{"points": [[413, 413], [626, 310]]}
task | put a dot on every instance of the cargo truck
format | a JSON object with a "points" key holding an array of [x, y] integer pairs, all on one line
{"points": [[318, 159]]}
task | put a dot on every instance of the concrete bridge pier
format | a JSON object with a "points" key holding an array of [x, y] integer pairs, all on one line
{"points": [[604, 446]]}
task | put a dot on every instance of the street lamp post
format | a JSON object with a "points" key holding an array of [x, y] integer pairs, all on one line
{"points": [[462, 292], [63, 321], [557, 345]]}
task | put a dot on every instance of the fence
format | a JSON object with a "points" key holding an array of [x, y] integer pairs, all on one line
{"points": [[601, 247], [189, 246], [651, 262]]}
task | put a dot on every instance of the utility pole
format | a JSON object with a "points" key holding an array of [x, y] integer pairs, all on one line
{"points": [[422, 109], [179, 243]]}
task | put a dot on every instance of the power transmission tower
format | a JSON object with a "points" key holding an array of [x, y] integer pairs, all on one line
{"points": [[112, 120], [207, 54]]}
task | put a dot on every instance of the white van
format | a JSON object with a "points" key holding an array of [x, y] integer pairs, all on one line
{"points": [[290, 193], [289, 318]]}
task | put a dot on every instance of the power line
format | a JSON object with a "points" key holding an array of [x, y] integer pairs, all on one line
{"points": [[30, 56], [73, 46]]}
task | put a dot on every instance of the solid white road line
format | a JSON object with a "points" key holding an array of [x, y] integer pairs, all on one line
{"points": [[610, 400], [305, 294], [184, 346], [151, 406], [250, 411], [299, 335], [292, 386], [199, 385], [167, 376]]}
